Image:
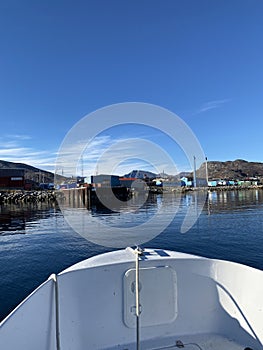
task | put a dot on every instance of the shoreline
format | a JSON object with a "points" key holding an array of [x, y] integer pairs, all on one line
{"points": [[234, 188], [212, 189], [23, 196]]}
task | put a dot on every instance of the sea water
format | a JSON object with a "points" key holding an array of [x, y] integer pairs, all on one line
{"points": [[36, 240]]}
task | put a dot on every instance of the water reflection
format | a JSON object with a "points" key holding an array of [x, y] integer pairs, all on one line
{"points": [[218, 201], [15, 218], [233, 231]]}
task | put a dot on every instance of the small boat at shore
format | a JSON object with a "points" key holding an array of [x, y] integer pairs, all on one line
{"points": [[142, 299]]}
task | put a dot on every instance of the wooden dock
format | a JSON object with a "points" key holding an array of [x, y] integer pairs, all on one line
{"points": [[76, 197], [86, 197]]}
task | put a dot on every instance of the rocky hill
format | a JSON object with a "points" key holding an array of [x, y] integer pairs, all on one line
{"points": [[231, 170], [31, 172], [140, 174], [237, 169]]}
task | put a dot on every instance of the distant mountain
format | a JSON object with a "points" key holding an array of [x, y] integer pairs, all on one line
{"points": [[140, 174], [31, 173], [10, 165], [236, 169]]}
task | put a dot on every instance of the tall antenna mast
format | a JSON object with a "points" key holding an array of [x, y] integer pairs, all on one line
{"points": [[206, 171], [82, 165], [194, 171]]}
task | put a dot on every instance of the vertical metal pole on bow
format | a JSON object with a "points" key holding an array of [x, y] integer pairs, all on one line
{"points": [[138, 252]]}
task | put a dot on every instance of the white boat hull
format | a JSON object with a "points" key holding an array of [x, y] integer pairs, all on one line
{"points": [[204, 303]]}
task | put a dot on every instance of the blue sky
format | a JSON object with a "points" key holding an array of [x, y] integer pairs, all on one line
{"points": [[61, 60]]}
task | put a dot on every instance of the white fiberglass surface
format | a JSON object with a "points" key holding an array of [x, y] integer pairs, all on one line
{"points": [[192, 342]]}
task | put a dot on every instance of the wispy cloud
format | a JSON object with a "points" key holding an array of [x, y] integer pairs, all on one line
{"points": [[114, 156], [14, 148], [19, 136], [103, 154], [212, 105]]}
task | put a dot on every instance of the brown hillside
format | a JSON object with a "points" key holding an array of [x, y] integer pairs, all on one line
{"points": [[31, 172], [237, 169]]}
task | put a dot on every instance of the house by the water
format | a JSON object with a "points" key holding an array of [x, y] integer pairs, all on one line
{"points": [[12, 178]]}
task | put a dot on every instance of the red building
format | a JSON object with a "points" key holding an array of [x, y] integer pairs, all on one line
{"points": [[12, 178]]}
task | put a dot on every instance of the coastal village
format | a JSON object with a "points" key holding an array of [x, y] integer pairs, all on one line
{"points": [[26, 183]]}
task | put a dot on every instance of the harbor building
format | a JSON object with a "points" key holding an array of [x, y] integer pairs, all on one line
{"points": [[12, 178]]}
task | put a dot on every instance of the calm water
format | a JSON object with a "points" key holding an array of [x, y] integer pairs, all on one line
{"points": [[35, 240]]}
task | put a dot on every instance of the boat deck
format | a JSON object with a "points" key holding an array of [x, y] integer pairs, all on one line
{"points": [[171, 301], [207, 342], [201, 342]]}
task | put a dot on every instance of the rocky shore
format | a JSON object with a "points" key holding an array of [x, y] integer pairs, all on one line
{"points": [[211, 189], [7, 197], [19, 196], [234, 188]]}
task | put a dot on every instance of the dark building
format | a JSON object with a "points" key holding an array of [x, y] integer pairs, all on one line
{"points": [[105, 180], [12, 178]]}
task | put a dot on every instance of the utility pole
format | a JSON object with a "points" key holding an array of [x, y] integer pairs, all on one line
{"points": [[206, 171], [194, 171], [82, 170]]}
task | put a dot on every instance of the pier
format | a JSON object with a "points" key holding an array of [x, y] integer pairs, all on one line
{"points": [[75, 197], [85, 197]]}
